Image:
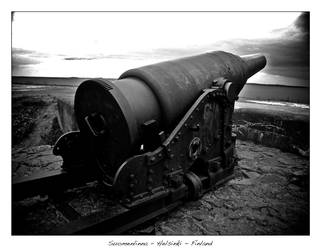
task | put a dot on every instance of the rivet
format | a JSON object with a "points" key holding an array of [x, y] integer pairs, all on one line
{"points": [[150, 171], [132, 176], [152, 159], [131, 185]]}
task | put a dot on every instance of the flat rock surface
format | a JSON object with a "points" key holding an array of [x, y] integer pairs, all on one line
{"points": [[269, 195], [26, 161]]}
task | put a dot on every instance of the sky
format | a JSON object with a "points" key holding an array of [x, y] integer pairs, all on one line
{"points": [[105, 44]]}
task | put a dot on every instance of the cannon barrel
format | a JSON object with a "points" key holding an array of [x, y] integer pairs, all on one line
{"points": [[113, 112]]}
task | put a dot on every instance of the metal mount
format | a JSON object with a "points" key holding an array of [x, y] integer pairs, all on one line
{"points": [[188, 162], [197, 155]]}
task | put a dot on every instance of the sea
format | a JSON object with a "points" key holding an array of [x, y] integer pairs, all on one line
{"points": [[269, 94]]}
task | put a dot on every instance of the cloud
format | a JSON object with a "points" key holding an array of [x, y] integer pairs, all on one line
{"points": [[79, 58], [132, 55], [169, 53], [21, 62], [303, 23], [30, 53], [22, 59], [281, 54], [26, 57], [299, 29], [287, 50]]}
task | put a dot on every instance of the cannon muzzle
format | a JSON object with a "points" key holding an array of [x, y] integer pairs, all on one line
{"points": [[254, 63]]}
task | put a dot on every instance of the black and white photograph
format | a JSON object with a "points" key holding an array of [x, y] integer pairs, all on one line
{"points": [[160, 123]]}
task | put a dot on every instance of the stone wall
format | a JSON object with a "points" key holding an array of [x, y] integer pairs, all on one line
{"points": [[286, 131]]}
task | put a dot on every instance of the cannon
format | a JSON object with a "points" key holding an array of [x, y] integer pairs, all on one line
{"points": [[161, 132]]}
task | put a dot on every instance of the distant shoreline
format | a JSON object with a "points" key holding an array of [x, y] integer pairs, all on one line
{"points": [[85, 78]]}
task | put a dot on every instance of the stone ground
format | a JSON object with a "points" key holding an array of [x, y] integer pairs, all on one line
{"points": [[269, 195], [34, 121], [28, 160]]}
